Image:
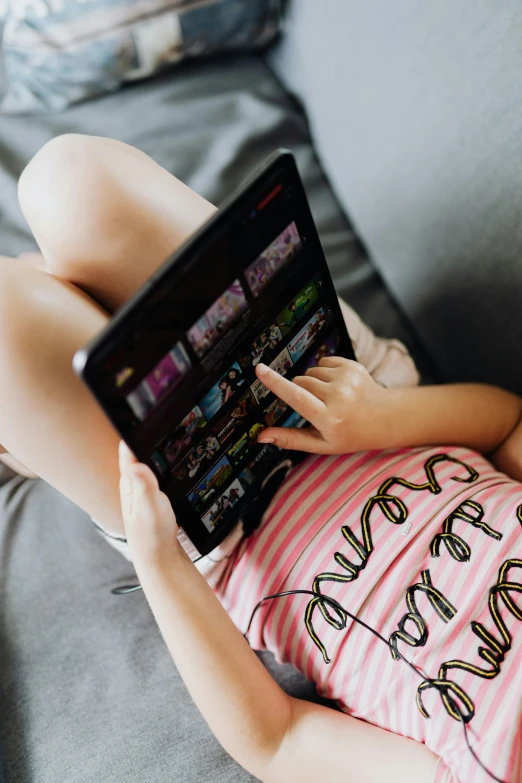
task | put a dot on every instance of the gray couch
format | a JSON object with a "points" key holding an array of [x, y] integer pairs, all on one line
{"points": [[409, 121]]}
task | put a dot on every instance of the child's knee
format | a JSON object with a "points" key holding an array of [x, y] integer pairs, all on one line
{"points": [[105, 215], [67, 198], [56, 176]]}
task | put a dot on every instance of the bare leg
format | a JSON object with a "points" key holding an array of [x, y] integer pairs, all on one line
{"points": [[105, 216], [47, 420]]}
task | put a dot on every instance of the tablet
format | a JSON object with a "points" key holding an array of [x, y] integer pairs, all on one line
{"points": [[174, 370]]}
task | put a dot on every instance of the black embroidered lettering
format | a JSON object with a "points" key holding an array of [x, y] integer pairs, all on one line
{"points": [[456, 546], [395, 511], [493, 654], [431, 484], [444, 609], [444, 688], [310, 628], [506, 588]]}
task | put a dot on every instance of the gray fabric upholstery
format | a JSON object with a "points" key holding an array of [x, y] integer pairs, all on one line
{"points": [[209, 124], [416, 114], [87, 691], [87, 688]]}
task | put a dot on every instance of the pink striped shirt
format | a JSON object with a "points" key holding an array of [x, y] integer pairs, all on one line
{"points": [[425, 546]]}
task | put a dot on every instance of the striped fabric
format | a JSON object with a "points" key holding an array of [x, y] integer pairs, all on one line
{"points": [[425, 546], [439, 533], [58, 52]]}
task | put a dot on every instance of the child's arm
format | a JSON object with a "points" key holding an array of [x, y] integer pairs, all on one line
{"points": [[350, 412], [275, 737]]}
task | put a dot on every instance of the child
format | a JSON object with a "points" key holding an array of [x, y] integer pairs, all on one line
{"points": [[411, 540], [426, 590]]}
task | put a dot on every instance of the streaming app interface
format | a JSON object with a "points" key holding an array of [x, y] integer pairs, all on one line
{"points": [[182, 387]]}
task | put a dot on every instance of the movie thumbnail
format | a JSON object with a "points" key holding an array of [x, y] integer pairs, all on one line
{"points": [[232, 382], [246, 443], [172, 446], [162, 379], [198, 460], [307, 336], [295, 420], [274, 411], [207, 490], [230, 425], [259, 390], [244, 405], [282, 250], [282, 363], [218, 319], [264, 344], [328, 348], [297, 308], [256, 466], [223, 505]]}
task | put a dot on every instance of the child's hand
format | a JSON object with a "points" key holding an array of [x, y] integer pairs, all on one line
{"points": [[148, 517], [348, 411]]}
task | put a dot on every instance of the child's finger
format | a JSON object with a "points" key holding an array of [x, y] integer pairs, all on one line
{"points": [[126, 456], [133, 475], [150, 522], [142, 485], [126, 496], [295, 439], [147, 478], [326, 374], [336, 361], [316, 387], [144, 494], [126, 459], [306, 404]]}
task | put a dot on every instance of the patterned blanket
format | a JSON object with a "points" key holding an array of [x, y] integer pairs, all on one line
{"points": [[58, 52]]}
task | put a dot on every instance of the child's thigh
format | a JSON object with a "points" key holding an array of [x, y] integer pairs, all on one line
{"points": [[48, 419], [105, 215]]}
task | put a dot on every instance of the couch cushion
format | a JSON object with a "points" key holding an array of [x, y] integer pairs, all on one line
{"points": [[87, 687], [61, 52], [416, 112]]}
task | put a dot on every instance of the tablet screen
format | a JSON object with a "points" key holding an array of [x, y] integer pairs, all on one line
{"points": [[175, 371]]}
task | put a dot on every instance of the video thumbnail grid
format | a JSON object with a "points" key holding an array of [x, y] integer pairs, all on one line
{"points": [[223, 428], [213, 454], [207, 332]]}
